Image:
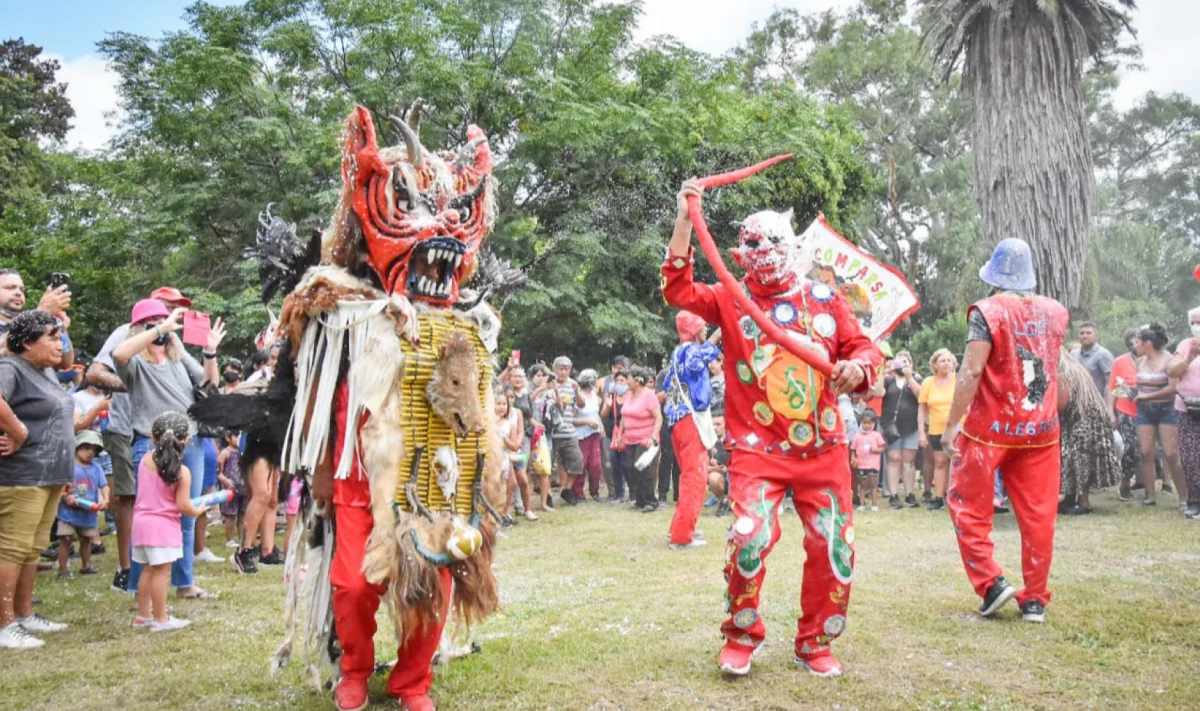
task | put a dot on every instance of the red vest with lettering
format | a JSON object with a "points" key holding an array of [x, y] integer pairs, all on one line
{"points": [[1017, 401]]}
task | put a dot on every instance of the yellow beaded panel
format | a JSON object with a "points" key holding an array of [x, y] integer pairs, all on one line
{"points": [[423, 428]]}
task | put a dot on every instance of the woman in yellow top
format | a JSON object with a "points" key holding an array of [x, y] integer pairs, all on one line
{"points": [[936, 394]]}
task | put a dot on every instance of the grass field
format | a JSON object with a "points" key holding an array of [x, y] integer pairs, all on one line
{"points": [[600, 615]]}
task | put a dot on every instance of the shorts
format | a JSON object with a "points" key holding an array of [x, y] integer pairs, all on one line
{"points": [[866, 473], [935, 442], [66, 529], [210, 465], [568, 454], [1155, 414], [235, 506], [120, 449], [26, 515], [157, 555], [910, 442]]}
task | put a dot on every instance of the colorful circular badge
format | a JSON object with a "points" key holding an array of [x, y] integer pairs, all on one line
{"points": [[749, 328], [746, 618], [784, 313], [744, 373], [822, 292], [801, 433], [835, 625], [824, 325], [763, 413], [848, 535], [829, 418]]}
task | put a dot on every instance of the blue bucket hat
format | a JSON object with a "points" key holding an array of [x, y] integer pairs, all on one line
{"points": [[1011, 267]]}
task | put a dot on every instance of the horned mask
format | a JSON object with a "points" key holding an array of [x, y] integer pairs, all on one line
{"points": [[769, 249], [423, 214]]}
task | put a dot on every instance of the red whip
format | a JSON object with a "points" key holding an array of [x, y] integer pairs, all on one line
{"points": [[713, 254]]}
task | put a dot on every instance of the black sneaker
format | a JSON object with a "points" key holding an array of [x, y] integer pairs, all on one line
{"points": [[722, 508], [649, 508], [120, 581], [927, 497], [1124, 495], [98, 549], [597, 498], [1167, 489], [894, 502], [1033, 611], [937, 504], [274, 558], [996, 596], [243, 560], [568, 497], [911, 501]]}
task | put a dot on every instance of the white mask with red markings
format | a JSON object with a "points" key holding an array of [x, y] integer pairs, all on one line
{"points": [[769, 249]]}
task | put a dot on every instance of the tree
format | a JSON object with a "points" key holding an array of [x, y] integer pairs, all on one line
{"points": [[1024, 64], [33, 106], [593, 134], [867, 62]]}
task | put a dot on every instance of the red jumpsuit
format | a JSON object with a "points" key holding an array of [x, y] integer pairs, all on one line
{"points": [[1012, 426], [784, 430], [355, 601]]}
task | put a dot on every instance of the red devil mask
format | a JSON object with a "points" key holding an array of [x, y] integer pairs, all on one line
{"points": [[423, 214]]}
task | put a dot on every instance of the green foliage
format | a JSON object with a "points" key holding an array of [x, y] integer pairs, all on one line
{"points": [[950, 331]]}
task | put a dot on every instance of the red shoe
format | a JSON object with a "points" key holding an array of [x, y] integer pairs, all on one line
{"points": [[735, 659], [824, 665], [421, 702], [351, 695]]}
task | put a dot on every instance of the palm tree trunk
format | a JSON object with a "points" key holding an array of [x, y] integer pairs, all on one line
{"points": [[1033, 163]]}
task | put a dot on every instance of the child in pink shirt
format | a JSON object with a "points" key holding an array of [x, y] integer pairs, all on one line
{"points": [[868, 450], [163, 484]]}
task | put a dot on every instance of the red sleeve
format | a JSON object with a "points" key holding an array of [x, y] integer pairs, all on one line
{"points": [[853, 345], [680, 289]]}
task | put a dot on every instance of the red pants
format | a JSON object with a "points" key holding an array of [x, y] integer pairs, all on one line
{"points": [[593, 467], [693, 479], [821, 491], [1031, 477], [355, 602]]}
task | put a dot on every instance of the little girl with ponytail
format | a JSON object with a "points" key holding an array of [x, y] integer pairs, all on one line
{"points": [[163, 485]]}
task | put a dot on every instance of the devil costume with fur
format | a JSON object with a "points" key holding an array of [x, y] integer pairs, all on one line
{"points": [[783, 427], [388, 385]]}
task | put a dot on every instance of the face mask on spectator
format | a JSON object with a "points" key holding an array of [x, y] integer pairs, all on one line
{"points": [[1196, 330], [621, 389], [231, 376]]}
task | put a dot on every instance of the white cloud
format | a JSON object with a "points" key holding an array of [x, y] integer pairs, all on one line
{"points": [[713, 26], [92, 91], [1167, 32]]}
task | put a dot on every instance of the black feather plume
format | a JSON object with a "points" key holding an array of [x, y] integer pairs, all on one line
{"points": [[282, 256]]}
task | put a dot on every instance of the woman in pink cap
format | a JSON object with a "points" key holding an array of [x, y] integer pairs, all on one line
{"points": [[160, 377]]}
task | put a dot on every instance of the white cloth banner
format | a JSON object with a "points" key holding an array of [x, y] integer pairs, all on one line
{"points": [[878, 293]]}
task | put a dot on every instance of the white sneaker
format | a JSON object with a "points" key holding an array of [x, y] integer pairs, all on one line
{"points": [[531, 516], [15, 636], [172, 623], [142, 623], [875, 508], [861, 508], [694, 543], [207, 556], [37, 624], [230, 544]]}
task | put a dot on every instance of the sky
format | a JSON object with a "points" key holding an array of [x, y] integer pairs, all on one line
{"points": [[68, 30]]}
